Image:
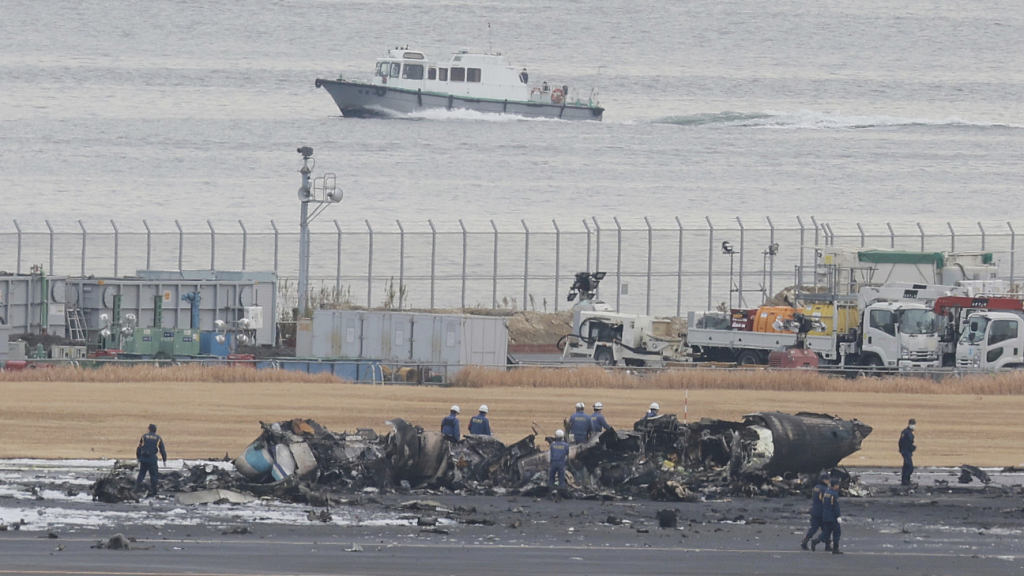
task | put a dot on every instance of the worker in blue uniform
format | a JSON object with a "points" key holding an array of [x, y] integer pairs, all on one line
{"points": [[598, 423], [479, 424], [816, 496], [558, 453], [580, 425], [149, 446], [831, 519], [653, 411], [450, 425], [907, 447]]}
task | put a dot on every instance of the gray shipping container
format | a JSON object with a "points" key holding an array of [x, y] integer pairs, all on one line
{"points": [[452, 339]]}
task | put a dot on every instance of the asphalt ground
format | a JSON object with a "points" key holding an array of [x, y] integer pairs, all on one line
{"points": [[954, 529]]}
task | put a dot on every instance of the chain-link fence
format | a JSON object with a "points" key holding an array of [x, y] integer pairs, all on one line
{"points": [[661, 268]]}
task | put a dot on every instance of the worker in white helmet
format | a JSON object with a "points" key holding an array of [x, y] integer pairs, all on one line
{"points": [[654, 410], [479, 424], [450, 425], [558, 453], [598, 423], [579, 424]]}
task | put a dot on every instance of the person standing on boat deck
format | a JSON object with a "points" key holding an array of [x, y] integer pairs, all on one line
{"points": [[524, 76]]}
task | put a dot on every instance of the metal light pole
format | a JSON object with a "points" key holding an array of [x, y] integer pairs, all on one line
{"points": [[321, 191]]}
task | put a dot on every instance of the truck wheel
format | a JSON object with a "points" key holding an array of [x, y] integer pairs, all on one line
{"points": [[604, 356], [748, 358], [635, 363], [872, 366]]}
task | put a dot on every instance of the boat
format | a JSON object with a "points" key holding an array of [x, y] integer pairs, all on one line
{"points": [[406, 81]]}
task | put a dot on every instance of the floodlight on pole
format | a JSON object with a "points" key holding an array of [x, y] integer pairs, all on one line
{"points": [[322, 191]]}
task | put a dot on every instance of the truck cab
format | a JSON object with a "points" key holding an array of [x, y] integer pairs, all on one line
{"points": [[991, 341], [901, 335]]}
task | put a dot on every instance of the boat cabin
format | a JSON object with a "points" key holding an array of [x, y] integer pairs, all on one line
{"points": [[473, 75]]}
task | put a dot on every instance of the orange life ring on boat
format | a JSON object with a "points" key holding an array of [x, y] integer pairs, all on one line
{"points": [[557, 95]]}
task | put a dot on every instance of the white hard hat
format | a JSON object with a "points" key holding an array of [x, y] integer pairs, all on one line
{"points": [[580, 405], [559, 434], [483, 408], [455, 409], [654, 406], [598, 405]]}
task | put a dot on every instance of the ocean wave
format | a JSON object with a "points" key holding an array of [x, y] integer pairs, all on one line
{"points": [[810, 120]]}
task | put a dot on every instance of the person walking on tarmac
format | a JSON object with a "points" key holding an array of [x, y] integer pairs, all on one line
{"points": [[580, 425], [479, 424], [450, 425], [653, 411], [558, 453], [816, 496], [149, 446], [831, 519], [907, 448], [598, 423]]}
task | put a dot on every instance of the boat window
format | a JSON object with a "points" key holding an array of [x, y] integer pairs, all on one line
{"points": [[458, 74], [413, 56], [412, 71], [442, 74], [395, 67], [382, 69], [432, 73], [472, 74]]}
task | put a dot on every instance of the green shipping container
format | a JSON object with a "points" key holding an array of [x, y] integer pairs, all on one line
{"points": [[143, 342], [179, 342]]}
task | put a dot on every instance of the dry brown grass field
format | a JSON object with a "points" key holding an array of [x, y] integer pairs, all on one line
{"points": [[209, 412]]}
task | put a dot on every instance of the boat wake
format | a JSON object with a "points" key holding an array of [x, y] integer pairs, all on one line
{"points": [[458, 114], [810, 120]]}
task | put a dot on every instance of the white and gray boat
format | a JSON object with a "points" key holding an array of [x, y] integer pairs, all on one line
{"points": [[406, 81]]}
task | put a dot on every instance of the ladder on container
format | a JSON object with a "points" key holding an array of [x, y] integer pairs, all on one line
{"points": [[76, 324]]}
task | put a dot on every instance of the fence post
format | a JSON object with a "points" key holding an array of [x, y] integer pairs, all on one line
{"points": [[494, 276], [597, 252], [18, 265], [771, 257], [433, 260], [618, 264], [84, 240], [245, 241], [369, 270], [181, 244], [213, 246], [337, 257], [814, 221], [800, 271], [921, 229], [982, 228], [526, 264], [149, 245], [861, 230], [739, 289], [711, 257], [558, 258], [401, 260], [50, 228], [679, 272], [117, 245], [892, 235], [465, 246], [1013, 253], [830, 236], [277, 243], [587, 228], [650, 249]]}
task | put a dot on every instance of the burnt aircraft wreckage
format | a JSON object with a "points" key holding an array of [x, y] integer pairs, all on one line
{"points": [[767, 453]]}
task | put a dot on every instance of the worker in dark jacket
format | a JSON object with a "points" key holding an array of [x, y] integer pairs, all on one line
{"points": [[559, 455], [816, 496], [149, 446], [598, 423], [831, 519], [653, 411], [907, 451], [479, 424], [580, 425], [450, 425]]}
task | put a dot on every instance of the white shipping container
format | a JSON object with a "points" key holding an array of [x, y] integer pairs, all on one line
{"points": [[452, 339]]}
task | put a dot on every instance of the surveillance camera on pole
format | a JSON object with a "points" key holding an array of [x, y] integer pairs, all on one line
{"points": [[322, 191]]}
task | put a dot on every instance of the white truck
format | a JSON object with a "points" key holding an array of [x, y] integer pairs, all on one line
{"points": [[991, 341], [896, 330]]}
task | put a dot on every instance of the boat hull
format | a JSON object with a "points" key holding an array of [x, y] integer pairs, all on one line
{"points": [[358, 99]]}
